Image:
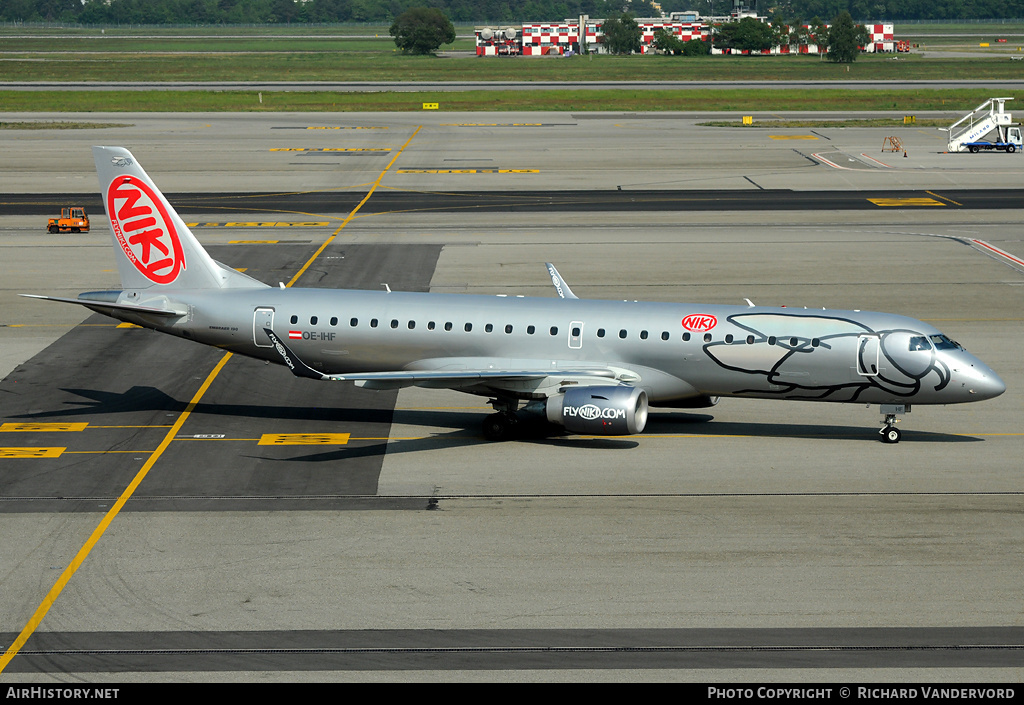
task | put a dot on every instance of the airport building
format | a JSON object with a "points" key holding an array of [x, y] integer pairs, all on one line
{"points": [[584, 35]]}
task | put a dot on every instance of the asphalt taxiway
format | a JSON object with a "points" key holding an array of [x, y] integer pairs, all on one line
{"points": [[288, 529]]}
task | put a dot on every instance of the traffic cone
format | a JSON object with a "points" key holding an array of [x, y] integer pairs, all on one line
{"points": [[904, 154]]}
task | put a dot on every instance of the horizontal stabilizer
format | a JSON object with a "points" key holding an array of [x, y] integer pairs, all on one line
{"points": [[134, 308]]}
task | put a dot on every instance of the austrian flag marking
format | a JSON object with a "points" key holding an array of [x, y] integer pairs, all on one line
{"points": [[699, 322], [295, 334], [144, 229]]}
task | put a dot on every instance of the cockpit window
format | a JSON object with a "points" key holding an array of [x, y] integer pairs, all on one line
{"points": [[941, 342], [919, 342]]}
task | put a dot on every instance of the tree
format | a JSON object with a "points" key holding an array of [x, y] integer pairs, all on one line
{"points": [[749, 34], [666, 42], [696, 47], [622, 35], [422, 30], [844, 39]]}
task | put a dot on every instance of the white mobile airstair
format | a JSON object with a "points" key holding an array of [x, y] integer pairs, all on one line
{"points": [[967, 133]]}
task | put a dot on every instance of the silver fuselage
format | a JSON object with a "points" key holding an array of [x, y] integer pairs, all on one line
{"points": [[673, 351]]}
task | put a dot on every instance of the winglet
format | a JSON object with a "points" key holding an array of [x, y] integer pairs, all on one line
{"points": [[297, 366], [560, 286]]}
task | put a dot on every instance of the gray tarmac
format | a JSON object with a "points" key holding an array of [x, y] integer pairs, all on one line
{"points": [[751, 541]]}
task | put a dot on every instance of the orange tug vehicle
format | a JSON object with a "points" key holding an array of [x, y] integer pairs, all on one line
{"points": [[71, 220]]}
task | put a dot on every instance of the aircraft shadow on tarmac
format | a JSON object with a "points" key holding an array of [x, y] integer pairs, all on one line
{"points": [[705, 425], [141, 398], [144, 398]]}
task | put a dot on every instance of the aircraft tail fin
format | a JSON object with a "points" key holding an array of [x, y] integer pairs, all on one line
{"points": [[153, 246]]}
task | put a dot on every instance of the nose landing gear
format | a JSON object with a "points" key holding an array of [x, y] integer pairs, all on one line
{"points": [[892, 412], [890, 434]]}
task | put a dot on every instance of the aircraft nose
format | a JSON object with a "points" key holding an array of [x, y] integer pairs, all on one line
{"points": [[981, 382], [992, 385]]}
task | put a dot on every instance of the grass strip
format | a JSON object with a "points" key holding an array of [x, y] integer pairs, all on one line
{"points": [[203, 66], [615, 100]]}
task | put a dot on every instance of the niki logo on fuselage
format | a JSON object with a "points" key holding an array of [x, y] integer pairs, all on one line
{"points": [[700, 322], [144, 230]]}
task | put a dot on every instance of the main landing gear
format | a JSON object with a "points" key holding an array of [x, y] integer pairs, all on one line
{"points": [[503, 425], [500, 426], [512, 422], [892, 412]]}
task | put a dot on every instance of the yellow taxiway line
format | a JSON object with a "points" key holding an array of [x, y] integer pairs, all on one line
{"points": [[83, 552]]}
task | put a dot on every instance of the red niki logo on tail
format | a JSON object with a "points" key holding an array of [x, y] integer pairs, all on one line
{"points": [[144, 229], [700, 322]]}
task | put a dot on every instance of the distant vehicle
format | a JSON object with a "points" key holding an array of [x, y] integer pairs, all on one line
{"points": [[72, 220], [988, 127], [1010, 143]]}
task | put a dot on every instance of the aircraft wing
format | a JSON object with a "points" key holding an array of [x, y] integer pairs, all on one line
{"points": [[476, 372]]}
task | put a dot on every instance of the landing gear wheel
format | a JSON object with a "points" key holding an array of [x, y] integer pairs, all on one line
{"points": [[891, 434], [499, 427]]}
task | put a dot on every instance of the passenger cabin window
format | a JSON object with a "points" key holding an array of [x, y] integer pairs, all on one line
{"points": [[664, 335], [312, 320], [623, 333], [530, 330], [294, 320], [554, 330], [575, 332], [686, 337], [334, 320], [448, 325], [508, 328], [430, 325], [394, 323], [469, 327], [354, 322], [643, 335], [707, 337], [373, 323], [412, 324], [600, 332], [489, 328], [728, 339]]}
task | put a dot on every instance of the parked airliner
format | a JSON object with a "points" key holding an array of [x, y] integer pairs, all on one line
{"points": [[590, 366]]}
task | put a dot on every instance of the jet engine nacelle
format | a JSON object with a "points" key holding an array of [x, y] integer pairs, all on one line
{"points": [[600, 411]]}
